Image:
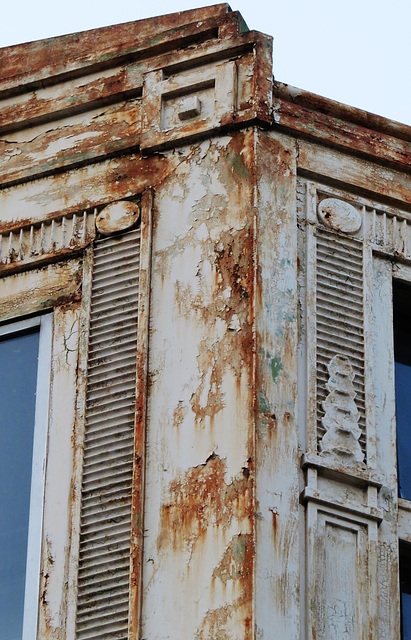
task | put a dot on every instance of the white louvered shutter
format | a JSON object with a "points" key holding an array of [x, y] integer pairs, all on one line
{"points": [[340, 319], [104, 553]]}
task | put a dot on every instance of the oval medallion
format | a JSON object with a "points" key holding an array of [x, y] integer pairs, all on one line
{"points": [[339, 215], [118, 216]]}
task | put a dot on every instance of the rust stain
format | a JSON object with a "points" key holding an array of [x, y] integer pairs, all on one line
{"points": [[237, 562], [45, 625], [232, 303], [268, 423], [216, 624], [179, 414], [274, 514], [199, 499]]}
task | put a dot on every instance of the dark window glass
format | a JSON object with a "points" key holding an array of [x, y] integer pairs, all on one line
{"points": [[18, 377], [402, 351], [405, 590]]}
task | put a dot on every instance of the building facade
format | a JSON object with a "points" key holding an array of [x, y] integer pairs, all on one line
{"points": [[208, 257]]}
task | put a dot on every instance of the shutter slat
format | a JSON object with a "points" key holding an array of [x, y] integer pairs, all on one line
{"points": [[105, 526]]}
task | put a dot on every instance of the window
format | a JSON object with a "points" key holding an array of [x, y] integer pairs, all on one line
{"points": [[402, 357], [24, 391], [402, 354], [405, 589]]}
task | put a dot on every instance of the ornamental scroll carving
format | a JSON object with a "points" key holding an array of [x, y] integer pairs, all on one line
{"points": [[342, 432]]}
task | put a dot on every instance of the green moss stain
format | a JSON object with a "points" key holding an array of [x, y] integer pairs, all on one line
{"points": [[276, 366], [274, 362], [263, 404], [239, 167]]}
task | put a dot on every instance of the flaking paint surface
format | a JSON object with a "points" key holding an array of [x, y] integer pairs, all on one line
{"points": [[199, 495]]}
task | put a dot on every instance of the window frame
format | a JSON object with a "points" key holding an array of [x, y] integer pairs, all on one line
{"points": [[38, 468]]}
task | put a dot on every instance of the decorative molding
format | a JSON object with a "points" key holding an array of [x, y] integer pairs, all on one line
{"points": [[388, 233], [341, 414], [339, 215], [200, 95], [64, 234], [359, 510], [351, 475], [341, 584], [386, 229], [39, 242], [118, 216]]}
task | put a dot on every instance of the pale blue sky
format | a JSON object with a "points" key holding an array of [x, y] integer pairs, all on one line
{"points": [[354, 51]]}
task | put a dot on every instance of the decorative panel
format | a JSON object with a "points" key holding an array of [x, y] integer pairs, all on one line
{"points": [[104, 553], [339, 572], [200, 93]]}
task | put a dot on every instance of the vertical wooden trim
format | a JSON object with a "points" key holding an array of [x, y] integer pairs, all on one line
{"points": [[277, 600], [78, 442], [383, 372], [311, 266], [137, 508], [371, 435]]}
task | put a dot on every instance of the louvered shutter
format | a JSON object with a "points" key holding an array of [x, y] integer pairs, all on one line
{"points": [[104, 552], [340, 318]]}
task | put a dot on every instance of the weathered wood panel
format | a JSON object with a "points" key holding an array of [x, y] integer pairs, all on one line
{"points": [[72, 141], [373, 179], [58, 490], [55, 284], [340, 133]]}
